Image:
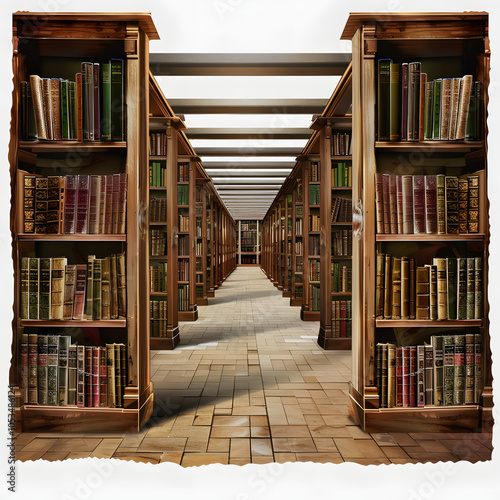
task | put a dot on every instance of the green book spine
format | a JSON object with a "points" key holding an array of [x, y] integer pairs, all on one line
{"points": [[64, 110], [117, 114], [395, 102], [72, 110], [25, 285], [437, 344], [459, 371], [34, 264], [44, 307], [383, 99], [52, 370], [436, 112], [451, 275], [153, 169], [106, 102], [449, 368], [462, 288]]}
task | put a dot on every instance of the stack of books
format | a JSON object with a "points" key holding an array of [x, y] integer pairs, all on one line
{"points": [[158, 277], [157, 144], [342, 318], [157, 209], [158, 318], [341, 144]]}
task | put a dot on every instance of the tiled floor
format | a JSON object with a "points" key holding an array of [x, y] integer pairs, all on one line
{"points": [[248, 383]]}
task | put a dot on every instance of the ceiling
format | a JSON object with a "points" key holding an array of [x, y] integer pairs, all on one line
{"points": [[248, 115]]}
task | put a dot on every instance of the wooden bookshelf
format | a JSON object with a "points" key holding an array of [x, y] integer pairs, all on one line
{"points": [[53, 46], [297, 273], [248, 242], [459, 41]]}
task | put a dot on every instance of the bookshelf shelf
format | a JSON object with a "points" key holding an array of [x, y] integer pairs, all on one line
{"points": [[157, 157], [341, 157], [72, 237], [347, 189], [431, 260], [158, 294], [156, 188], [71, 146], [341, 294], [431, 237], [431, 146], [158, 257], [158, 223], [112, 323], [341, 223]]}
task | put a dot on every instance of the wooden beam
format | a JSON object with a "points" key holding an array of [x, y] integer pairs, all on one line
{"points": [[289, 152], [249, 133]]}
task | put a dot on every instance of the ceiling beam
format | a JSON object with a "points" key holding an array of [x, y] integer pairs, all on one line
{"points": [[288, 165], [249, 133], [244, 64], [248, 106], [218, 151], [219, 181], [247, 191], [263, 187], [247, 173]]}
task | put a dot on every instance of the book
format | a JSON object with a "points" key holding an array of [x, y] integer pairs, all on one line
{"points": [[442, 288], [44, 297], [449, 368], [80, 376], [445, 108], [463, 188], [407, 192], [96, 292], [461, 288], [405, 358], [459, 371], [451, 279], [32, 368], [105, 101], [422, 293], [396, 288], [451, 198], [441, 204], [379, 202], [430, 204], [52, 370], [463, 106], [391, 375], [478, 367], [433, 292], [79, 291], [33, 288], [478, 288], [69, 291], [469, 369], [82, 204], [436, 112], [24, 366], [404, 101], [419, 206], [41, 204], [455, 95], [399, 376], [471, 287], [437, 344], [429, 374], [406, 285], [117, 100], [473, 203], [421, 398], [429, 107], [384, 100], [97, 101], [413, 101], [72, 375]]}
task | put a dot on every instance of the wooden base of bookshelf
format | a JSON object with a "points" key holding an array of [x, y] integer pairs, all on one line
{"points": [[211, 293], [334, 343], [202, 301], [165, 343], [188, 315], [309, 315], [294, 301], [286, 293], [280, 288], [247, 265], [365, 411]]}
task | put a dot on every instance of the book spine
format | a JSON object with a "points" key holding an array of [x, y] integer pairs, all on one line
{"points": [[399, 376], [94, 204], [429, 107], [106, 102], [413, 377], [428, 371], [451, 277], [445, 108], [437, 344], [430, 204], [80, 285], [105, 289], [103, 377], [463, 106], [69, 291], [72, 375], [33, 291], [404, 101], [117, 102], [24, 366], [25, 286], [433, 292], [405, 288], [57, 103], [396, 288], [407, 192], [422, 293], [115, 211], [122, 285], [28, 202], [388, 287], [419, 221], [64, 112], [442, 288], [379, 286], [473, 204], [471, 286], [41, 205], [95, 378], [478, 288], [420, 376], [36, 94], [44, 295], [391, 376], [80, 374], [405, 358], [110, 352], [455, 95], [451, 195], [43, 353], [449, 368], [96, 293], [459, 371], [79, 107], [393, 204], [462, 288], [441, 203], [118, 376], [387, 207], [478, 367], [97, 101], [413, 100], [70, 204], [383, 99], [436, 112], [53, 204], [82, 204], [64, 342], [469, 369], [88, 376], [421, 123], [122, 217], [53, 370]]}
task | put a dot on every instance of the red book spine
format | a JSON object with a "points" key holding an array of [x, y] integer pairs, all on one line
{"points": [[430, 204], [102, 205], [79, 108], [103, 377], [82, 197], [80, 283], [116, 203], [399, 376], [122, 204], [387, 209], [393, 204], [108, 218], [80, 376], [88, 376], [419, 222], [406, 376], [94, 203], [95, 377], [413, 377], [407, 190], [399, 202], [69, 204]]}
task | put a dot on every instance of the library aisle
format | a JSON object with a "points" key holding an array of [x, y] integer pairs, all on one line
{"points": [[249, 384]]}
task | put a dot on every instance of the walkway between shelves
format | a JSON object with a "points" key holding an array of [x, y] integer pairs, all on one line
{"points": [[249, 384]]}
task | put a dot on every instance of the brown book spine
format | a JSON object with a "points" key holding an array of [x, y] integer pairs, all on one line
{"points": [[387, 209], [70, 192], [463, 106], [108, 220], [62, 202], [55, 95], [113, 288], [95, 377], [47, 107], [391, 376], [57, 287], [105, 289], [94, 204], [379, 202], [405, 288], [442, 288], [80, 376], [41, 205], [455, 95], [122, 218], [473, 204], [102, 205], [419, 222], [406, 375], [79, 107], [122, 285], [422, 293], [445, 108], [399, 376], [383, 392], [28, 201], [399, 201], [110, 351], [82, 204], [103, 377], [36, 93], [413, 377], [433, 293], [393, 204], [388, 287], [80, 285], [462, 205], [69, 291], [428, 374], [420, 375], [396, 288], [451, 195], [469, 368], [118, 376], [441, 203], [53, 204], [430, 204], [407, 184], [379, 287]]}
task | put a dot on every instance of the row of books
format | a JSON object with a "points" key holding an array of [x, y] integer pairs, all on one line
{"points": [[183, 297], [73, 204], [314, 270], [183, 270], [411, 108], [298, 227], [199, 248], [314, 222], [91, 108], [342, 243], [56, 372], [199, 227], [52, 289], [428, 204], [314, 171], [298, 265], [341, 277], [157, 174], [342, 318], [341, 144], [447, 372], [183, 245], [157, 144], [298, 247], [314, 248], [314, 298], [183, 171], [157, 209], [341, 174], [200, 292], [341, 209], [447, 289], [314, 194], [184, 223], [158, 319], [158, 242], [299, 211], [183, 194], [158, 277]]}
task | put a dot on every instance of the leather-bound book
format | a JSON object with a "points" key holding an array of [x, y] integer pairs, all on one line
{"points": [[396, 288], [451, 195], [430, 204], [419, 220], [422, 293], [80, 285], [407, 184], [379, 202]]}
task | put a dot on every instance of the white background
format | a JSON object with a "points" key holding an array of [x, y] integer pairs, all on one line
{"points": [[243, 26]]}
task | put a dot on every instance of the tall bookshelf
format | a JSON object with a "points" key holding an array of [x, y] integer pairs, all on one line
{"points": [[297, 242], [448, 45], [47, 45], [248, 242]]}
